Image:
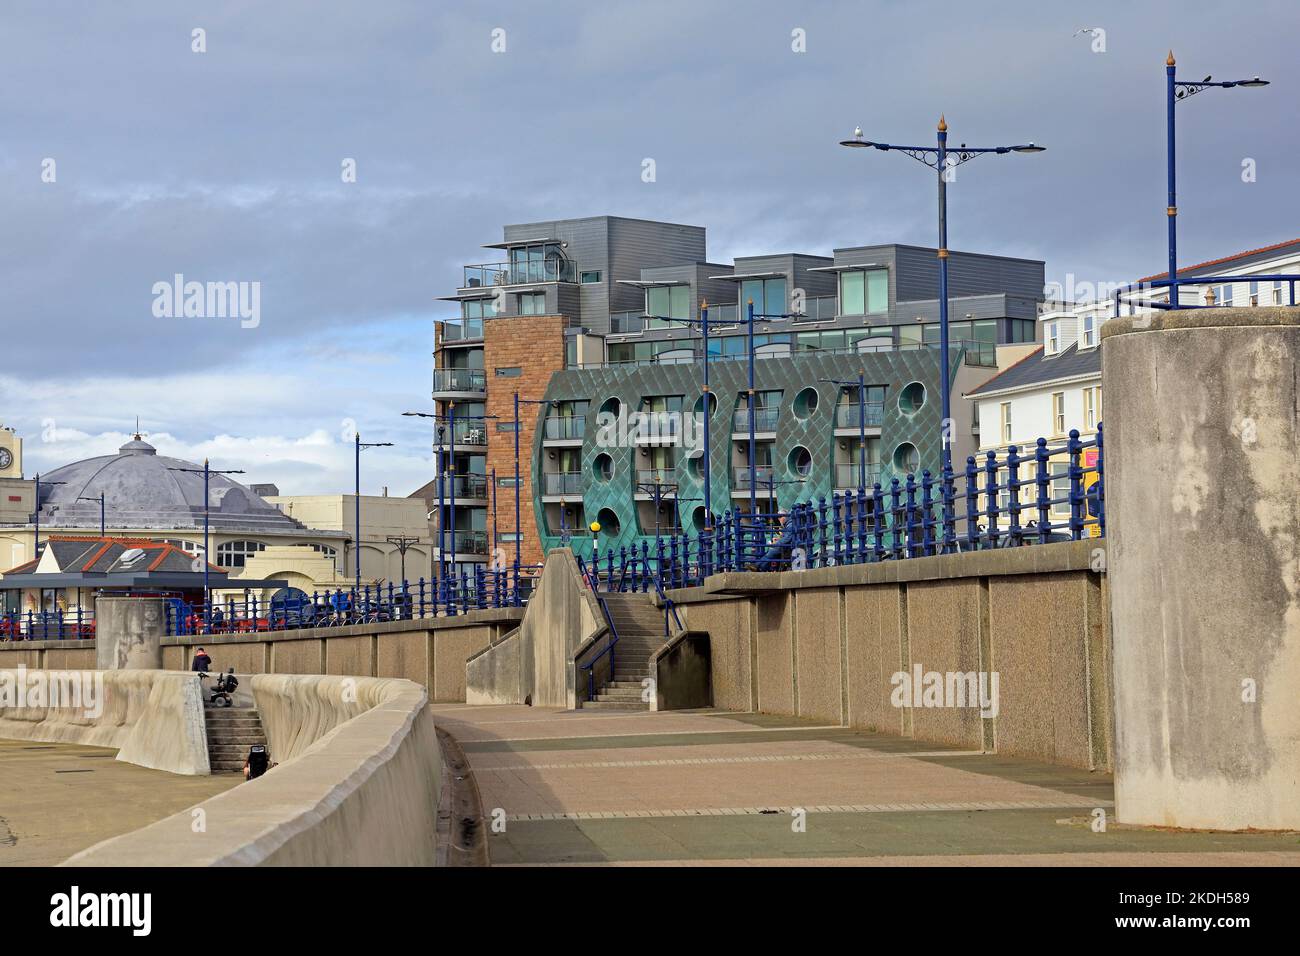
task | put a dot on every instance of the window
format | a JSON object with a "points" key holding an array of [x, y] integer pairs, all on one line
{"points": [[1254, 293], [1089, 331], [667, 301], [864, 292], [768, 296], [532, 303], [1223, 294], [505, 426], [1053, 337], [571, 352], [233, 554], [1060, 488], [478, 308], [1006, 423], [1090, 397], [509, 537], [589, 278], [1277, 292], [511, 371], [507, 482], [1058, 413]]}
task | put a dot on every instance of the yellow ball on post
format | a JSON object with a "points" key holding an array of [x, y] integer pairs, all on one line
{"points": [[595, 527]]}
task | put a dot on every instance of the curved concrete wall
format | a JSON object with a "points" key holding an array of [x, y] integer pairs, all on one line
{"points": [[153, 718], [1203, 514], [357, 785]]}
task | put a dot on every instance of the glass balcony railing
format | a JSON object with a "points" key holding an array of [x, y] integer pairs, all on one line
{"points": [[623, 323], [459, 380], [466, 433], [818, 309], [846, 476], [562, 483], [467, 542], [762, 477], [648, 478], [461, 329], [561, 428], [764, 420], [519, 273], [469, 486], [849, 416]]}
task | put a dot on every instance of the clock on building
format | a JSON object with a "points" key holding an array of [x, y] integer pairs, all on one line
{"points": [[6, 458]]}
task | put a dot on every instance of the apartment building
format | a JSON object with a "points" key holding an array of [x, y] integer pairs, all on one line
{"points": [[582, 316]]}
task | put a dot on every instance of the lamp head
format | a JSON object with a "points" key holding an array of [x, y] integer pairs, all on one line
{"points": [[595, 527]]}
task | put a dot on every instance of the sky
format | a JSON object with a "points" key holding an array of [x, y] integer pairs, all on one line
{"points": [[128, 156]]}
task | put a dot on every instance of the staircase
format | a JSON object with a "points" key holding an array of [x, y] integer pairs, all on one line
{"points": [[640, 627], [231, 731]]}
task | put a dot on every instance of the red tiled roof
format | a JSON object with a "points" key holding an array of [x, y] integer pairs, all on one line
{"points": [[1231, 258]]}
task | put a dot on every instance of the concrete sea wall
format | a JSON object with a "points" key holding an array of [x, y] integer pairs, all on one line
{"points": [[153, 718], [357, 785], [825, 645], [1203, 467]]}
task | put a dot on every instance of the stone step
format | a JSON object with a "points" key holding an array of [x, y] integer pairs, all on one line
{"points": [[619, 693], [612, 705]]}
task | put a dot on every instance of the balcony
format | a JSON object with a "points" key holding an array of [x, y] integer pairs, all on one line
{"points": [[560, 428], [466, 542], [567, 484], [453, 383], [490, 274], [846, 476], [469, 433], [763, 476], [648, 478], [460, 330], [818, 309], [849, 416], [467, 487], [626, 323], [765, 420]]}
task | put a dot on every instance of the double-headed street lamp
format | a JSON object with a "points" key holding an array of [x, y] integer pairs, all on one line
{"points": [[1176, 90], [100, 500], [861, 384], [36, 514], [941, 159], [447, 423], [207, 473], [356, 546]]}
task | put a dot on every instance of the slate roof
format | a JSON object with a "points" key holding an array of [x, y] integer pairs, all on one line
{"points": [[1037, 368]]}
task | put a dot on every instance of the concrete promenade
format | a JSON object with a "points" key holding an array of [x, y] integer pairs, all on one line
{"points": [[708, 787], [59, 799]]}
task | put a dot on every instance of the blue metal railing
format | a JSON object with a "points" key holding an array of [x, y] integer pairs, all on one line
{"points": [[592, 578], [71, 625], [1050, 493], [453, 594], [1126, 294]]}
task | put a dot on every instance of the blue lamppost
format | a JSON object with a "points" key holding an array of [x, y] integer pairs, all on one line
{"points": [[356, 546], [1176, 90], [707, 400], [518, 533], [941, 159], [861, 384], [36, 515], [447, 422], [100, 500], [207, 473]]}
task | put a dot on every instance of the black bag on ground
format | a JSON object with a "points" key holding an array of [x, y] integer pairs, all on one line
{"points": [[258, 760]]}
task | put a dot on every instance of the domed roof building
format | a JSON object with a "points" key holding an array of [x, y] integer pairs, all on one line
{"points": [[144, 490]]}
